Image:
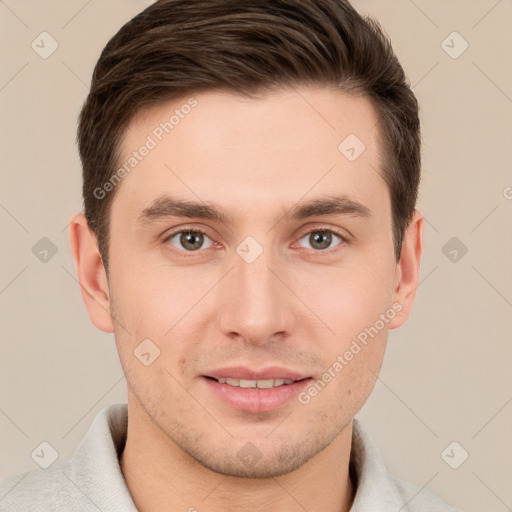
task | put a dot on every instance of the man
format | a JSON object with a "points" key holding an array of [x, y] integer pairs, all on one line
{"points": [[250, 237]]}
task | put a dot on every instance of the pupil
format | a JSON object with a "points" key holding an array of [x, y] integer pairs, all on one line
{"points": [[188, 240], [318, 240]]}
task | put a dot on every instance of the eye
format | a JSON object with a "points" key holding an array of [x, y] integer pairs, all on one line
{"points": [[188, 239], [321, 239]]}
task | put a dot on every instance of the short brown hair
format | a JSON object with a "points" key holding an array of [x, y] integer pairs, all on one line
{"points": [[179, 47]]}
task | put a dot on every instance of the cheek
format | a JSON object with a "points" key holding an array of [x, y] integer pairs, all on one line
{"points": [[150, 301], [159, 312], [347, 299], [348, 377], [355, 303]]}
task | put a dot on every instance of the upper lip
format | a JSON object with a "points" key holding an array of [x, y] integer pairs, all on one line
{"points": [[242, 372]]}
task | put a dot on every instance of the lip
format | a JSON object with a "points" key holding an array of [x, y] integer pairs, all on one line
{"points": [[242, 372], [255, 399]]}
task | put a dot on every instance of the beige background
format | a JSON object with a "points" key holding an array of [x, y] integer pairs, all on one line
{"points": [[447, 373]]}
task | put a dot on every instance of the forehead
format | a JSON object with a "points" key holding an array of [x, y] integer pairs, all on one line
{"points": [[283, 145]]}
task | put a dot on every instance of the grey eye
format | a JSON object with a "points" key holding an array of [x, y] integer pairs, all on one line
{"points": [[320, 240]]}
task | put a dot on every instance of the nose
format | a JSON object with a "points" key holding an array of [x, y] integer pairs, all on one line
{"points": [[256, 304]]}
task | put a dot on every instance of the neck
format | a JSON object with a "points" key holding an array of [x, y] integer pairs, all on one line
{"points": [[161, 477]]}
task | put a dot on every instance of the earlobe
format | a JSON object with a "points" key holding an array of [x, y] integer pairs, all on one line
{"points": [[91, 273], [408, 270]]}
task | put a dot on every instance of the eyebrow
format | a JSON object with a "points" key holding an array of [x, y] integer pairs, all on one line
{"points": [[167, 206]]}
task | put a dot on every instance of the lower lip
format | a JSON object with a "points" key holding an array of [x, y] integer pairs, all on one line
{"points": [[255, 399]]}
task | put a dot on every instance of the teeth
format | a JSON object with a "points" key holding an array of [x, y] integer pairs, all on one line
{"points": [[260, 384]]}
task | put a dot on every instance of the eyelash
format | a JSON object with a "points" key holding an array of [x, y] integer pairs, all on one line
{"points": [[342, 236]]}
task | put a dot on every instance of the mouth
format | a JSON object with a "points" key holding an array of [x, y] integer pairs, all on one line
{"points": [[253, 391], [254, 384]]}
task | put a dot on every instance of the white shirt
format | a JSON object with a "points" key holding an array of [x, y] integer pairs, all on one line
{"points": [[92, 479]]}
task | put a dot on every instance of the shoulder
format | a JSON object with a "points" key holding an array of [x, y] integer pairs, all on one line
{"points": [[45, 490], [90, 480], [419, 499], [378, 489]]}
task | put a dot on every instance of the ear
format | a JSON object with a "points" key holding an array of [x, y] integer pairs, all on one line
{"points": [[408, 270], [91, 273]]}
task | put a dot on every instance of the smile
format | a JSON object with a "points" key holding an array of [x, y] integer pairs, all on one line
{"points": [[255, 395], [260, 384]]}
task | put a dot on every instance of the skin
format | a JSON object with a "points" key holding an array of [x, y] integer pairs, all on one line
{"points": [[295, 306]]}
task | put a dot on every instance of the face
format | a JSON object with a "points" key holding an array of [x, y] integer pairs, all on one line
{"points": [[249, 242]]}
